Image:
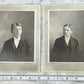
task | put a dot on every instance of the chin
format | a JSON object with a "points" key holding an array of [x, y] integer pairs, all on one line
{"points": [[17, 36], [67, 35]]}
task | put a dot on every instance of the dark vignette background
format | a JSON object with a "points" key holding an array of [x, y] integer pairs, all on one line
{"points": [[26, 18], [57, 21]]}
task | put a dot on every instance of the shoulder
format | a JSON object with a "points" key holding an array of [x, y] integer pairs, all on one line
{"points": [[74, 39], [9, 41], [59, 39], [24, 42]]}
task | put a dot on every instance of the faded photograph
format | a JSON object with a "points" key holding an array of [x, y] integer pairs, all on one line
{"points": [[66, 36], [19, 32], [17, 36]]}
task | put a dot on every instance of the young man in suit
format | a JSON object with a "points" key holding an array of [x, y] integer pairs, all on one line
{"points": [[16, 48], [66, 47]]}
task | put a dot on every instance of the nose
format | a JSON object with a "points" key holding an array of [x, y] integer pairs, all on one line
{"points": [[65, 31], [17, 30]]}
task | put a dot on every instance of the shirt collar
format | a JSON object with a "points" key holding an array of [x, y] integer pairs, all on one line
{"points": [[67, 38], [17, 38]]}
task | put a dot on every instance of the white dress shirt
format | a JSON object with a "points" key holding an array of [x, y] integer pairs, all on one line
{"points": [[67, 40], [16, 41]]}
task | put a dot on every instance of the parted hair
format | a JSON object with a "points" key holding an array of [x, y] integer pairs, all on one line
{"points": [[69, 25], [15, 24]]}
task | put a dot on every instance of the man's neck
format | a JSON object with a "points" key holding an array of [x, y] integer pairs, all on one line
{"points": [[17, 38], [67, 37]]}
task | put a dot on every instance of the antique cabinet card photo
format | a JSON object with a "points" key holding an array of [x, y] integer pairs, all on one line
{"points": [[63, 38], [19, 32]]}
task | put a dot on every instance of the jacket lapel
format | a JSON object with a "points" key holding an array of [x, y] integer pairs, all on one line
{"points": [[13, 45], [64, 43], [69, 45], [20, 46]]}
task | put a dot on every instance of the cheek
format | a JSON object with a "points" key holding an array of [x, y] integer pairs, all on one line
{"points": [[70, 32], [15, 32], [65, 32], [20, 32]]}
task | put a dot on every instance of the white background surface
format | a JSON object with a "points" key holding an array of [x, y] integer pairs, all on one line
{"points": [[41, 2], [40, 82]]}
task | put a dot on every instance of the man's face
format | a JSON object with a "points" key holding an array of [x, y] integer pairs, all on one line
{"points": [[17, 31], [67, 31]]}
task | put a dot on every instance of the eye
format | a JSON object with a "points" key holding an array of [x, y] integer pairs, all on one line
{"points": [[68, 30]]}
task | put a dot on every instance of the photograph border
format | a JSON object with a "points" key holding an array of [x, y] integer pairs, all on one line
{"points": [[58, 66], [27, 66]]}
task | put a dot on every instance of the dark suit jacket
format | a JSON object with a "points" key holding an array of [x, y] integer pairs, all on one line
{"points": [[62, 52], [22, 53]]}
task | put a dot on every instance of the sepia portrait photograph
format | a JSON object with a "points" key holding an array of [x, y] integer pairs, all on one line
{"points": [[15, 47], [66, 44], [18, 37], [64, 37]]}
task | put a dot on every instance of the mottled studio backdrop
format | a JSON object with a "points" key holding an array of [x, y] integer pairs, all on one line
{"points": [[26, 18], [59, 18]]}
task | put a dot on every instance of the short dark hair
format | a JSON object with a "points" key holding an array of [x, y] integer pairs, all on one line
{"points": [[69, 25], [15, 24]]}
